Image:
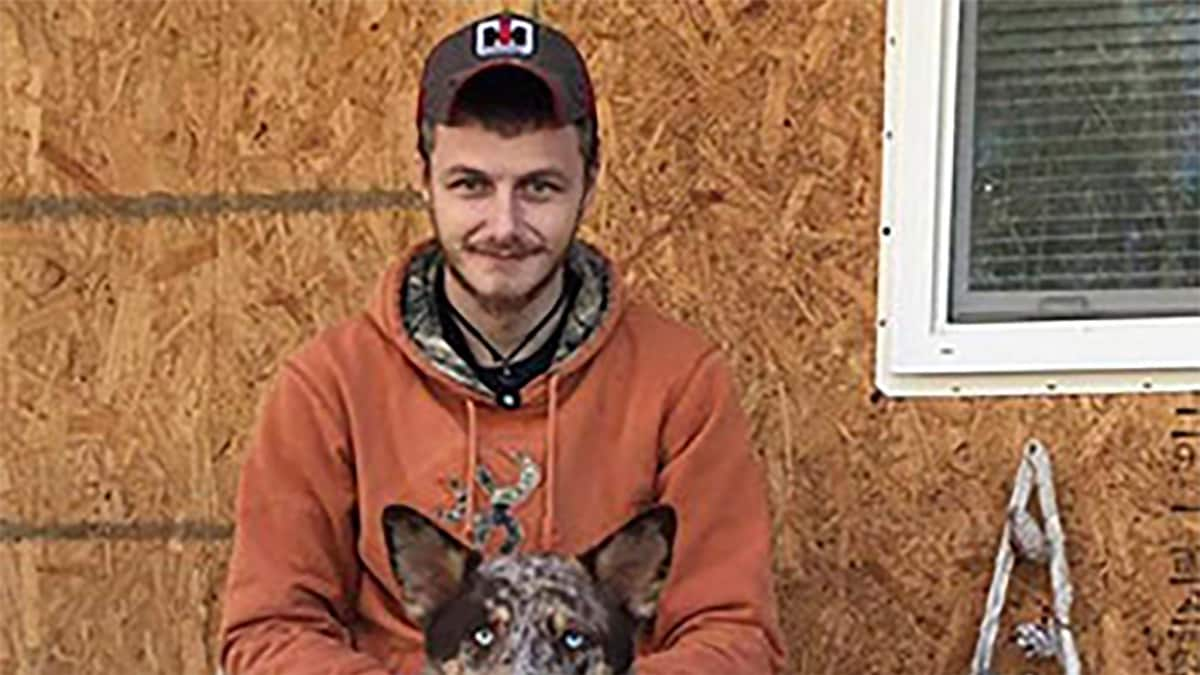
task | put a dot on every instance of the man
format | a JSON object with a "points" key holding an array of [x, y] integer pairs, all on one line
{"points": [[502, 383]]}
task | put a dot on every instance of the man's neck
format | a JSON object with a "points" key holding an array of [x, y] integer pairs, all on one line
{"points": [[506, 330]]}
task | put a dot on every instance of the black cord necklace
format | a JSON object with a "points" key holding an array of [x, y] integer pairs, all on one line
{"points": [[506, 361]]}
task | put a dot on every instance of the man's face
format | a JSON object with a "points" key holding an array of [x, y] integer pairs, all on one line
{"points": [[506, 209]]}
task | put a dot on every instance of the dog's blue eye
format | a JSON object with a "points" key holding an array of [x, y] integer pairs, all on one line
{"points": [[484, 637], [573, 640]]}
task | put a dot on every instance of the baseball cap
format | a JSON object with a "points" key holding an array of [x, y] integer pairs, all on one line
{"points": [[512, 39]]}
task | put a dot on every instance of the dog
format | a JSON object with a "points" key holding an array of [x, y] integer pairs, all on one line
{"points": [[530, 613]]}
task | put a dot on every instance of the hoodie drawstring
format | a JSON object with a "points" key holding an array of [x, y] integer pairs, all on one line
{"points": [[472, 466], [548, 534]]}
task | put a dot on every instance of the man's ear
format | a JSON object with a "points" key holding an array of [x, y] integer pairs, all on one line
{"points": [[426, 182], [429, 564], [633, 562], [591, 178]]}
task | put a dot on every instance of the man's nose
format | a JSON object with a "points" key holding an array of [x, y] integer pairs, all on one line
{"points": [[504, 217]]}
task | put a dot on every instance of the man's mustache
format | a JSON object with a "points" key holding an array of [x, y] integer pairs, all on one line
{"points": [[506, 248]]}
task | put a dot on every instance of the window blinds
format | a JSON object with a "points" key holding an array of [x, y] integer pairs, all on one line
{"points": [[1077, 189]]}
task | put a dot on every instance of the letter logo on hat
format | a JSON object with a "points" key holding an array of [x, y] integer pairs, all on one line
{"points": [[503, 36]]}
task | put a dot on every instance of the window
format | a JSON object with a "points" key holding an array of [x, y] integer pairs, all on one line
{"points": [[1041, 197]]}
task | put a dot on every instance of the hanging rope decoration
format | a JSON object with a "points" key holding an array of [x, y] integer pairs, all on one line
{"points": [[1024, 538]]}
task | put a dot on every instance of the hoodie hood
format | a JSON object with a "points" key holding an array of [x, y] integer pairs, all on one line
{"points": [[405, 310]]}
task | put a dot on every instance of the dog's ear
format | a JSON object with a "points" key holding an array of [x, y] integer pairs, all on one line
{"points": [[633, 562], [429, 563]]}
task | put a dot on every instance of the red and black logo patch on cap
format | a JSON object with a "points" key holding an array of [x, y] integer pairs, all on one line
{"points": [[504, 36]]}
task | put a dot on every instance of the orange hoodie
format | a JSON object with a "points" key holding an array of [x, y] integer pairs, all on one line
{"points": [[378, 409]]}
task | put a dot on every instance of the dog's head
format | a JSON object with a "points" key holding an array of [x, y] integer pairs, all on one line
{"points": [[526, 614]]}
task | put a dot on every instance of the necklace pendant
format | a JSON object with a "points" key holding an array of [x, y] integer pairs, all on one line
{"points": [[509, 400]]}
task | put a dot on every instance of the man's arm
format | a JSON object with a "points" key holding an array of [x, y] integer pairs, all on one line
{"points": [[718, 613], [294, 561]]}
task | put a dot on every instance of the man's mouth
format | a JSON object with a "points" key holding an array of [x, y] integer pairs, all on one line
{"points": [[508, 256]]}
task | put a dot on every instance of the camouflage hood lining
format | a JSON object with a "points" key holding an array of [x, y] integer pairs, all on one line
{"points": [[419, 310]]}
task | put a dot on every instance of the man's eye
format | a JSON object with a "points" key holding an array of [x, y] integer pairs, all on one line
{"points": [[543, 188], [469, 184]]}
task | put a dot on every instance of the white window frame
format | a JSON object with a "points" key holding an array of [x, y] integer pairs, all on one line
{"points": [[918, 351]]}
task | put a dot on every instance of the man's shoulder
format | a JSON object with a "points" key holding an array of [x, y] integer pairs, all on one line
{"points": [[666, 338], [336, 346]]}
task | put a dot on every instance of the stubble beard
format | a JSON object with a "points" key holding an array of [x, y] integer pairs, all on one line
{"points": [[503, 305]]}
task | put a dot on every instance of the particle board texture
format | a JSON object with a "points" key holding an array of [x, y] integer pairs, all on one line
{"points": [[190, 189]]}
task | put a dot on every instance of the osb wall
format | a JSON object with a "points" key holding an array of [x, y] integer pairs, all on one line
{"points": [[190, 189]]}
